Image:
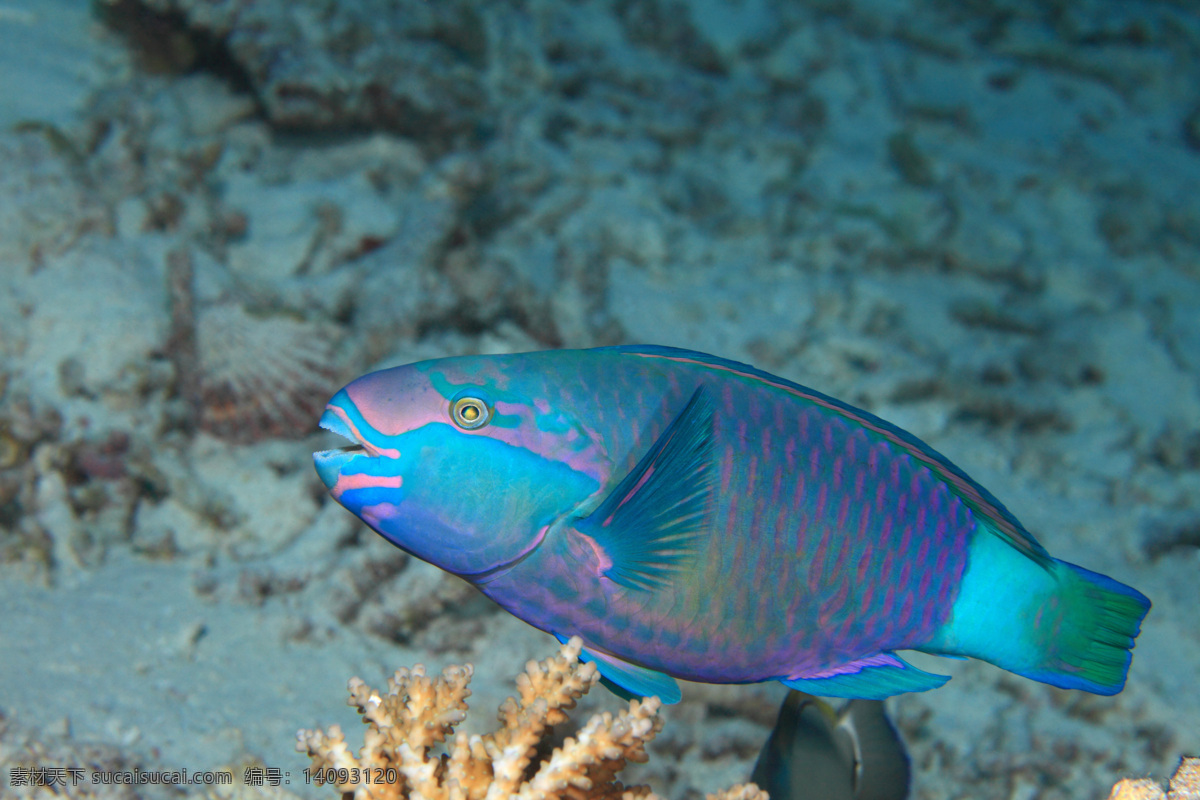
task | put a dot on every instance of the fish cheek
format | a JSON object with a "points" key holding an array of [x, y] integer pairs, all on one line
{"points": [[451, 511], [419, 530], [467, 502]]}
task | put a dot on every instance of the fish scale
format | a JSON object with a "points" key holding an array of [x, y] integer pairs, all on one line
{"points": [[689, 516]]}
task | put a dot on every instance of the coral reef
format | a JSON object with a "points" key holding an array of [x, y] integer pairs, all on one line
{"points": [[1184, 785], [52, 204], [251, 780], [409, 66], [979, 221], [23, 427], [418, 712], [38, 765]]}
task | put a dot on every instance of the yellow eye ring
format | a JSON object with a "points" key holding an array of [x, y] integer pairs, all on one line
{"points": [[470, 413]]}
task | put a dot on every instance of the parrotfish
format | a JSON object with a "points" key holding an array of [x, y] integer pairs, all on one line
{"points": [[693, 517], [816, 753]]}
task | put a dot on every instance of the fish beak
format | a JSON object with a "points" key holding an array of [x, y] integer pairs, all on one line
{"points": [[332, 422], [329, 463]]}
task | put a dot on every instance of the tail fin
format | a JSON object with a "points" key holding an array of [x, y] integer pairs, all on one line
{"points": [[1084, 631]]}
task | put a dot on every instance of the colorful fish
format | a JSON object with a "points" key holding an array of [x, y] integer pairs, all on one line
{"points": [[693, 517]]}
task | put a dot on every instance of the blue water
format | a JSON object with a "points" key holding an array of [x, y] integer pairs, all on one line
{"points": [[979, 221]]}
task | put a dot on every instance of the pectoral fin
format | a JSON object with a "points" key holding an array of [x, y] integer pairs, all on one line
{"points": [[654, 518]]}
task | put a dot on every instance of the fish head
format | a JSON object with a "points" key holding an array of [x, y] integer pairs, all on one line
{"points": [[462, 462]]}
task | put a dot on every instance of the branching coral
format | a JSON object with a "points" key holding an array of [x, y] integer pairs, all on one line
{"points": [[418, 712], [1184, 785]]}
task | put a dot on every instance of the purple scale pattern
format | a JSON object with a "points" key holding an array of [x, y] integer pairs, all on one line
{"points": [[830, 540]]}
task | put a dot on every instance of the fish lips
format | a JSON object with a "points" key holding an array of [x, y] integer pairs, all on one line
{"points": [[329, 463]]}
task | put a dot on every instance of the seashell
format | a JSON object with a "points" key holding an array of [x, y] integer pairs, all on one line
{"points": [[262, 375]]}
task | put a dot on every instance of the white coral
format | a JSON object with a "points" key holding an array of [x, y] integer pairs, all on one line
{"points": [[417, 713]]}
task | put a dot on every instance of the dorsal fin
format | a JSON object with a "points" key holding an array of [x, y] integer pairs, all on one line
{"points": [[978, 499]]}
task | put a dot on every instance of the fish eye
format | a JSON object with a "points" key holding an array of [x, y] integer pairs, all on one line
{"points": [[469, 413]]}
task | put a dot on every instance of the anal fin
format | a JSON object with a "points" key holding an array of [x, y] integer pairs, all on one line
{"points": [[871, 678]]}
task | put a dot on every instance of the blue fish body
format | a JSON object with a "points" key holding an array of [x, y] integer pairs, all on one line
{"points": [[693, 517]]}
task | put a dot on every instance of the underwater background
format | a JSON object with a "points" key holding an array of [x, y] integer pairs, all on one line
{"points": [[978, 220]]}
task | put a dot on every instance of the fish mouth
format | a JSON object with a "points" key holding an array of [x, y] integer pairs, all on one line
{"points": [[329, 463], [335, 424]]}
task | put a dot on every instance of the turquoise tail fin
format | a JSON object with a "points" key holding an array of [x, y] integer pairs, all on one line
{"points": [[1085, 632], [1053, 622]]}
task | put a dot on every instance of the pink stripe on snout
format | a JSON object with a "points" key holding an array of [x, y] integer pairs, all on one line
{"points": [[388, 452], [346, 483]]}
